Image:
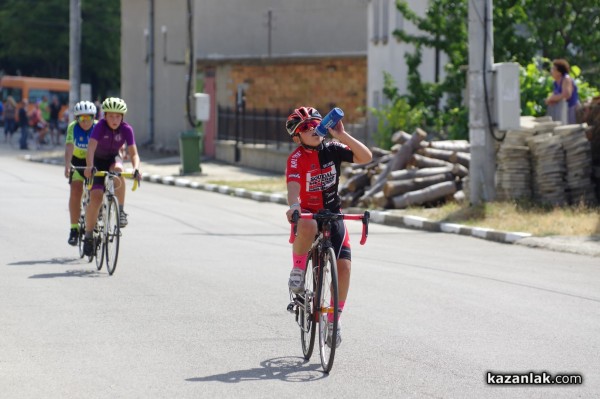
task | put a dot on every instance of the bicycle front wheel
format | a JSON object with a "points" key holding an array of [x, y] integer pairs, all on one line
{"points": [[112, 234], [328, 309], [99, 243], [307, 314]]}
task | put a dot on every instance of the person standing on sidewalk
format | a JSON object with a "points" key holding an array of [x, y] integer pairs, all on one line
{"points": [[24, 124], [564, 88], [10, 114], [53, 121], [76, 142]]}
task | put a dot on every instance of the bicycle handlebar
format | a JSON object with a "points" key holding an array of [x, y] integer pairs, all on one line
{"points": [[100, 173], [134, 176], [330, 216]]}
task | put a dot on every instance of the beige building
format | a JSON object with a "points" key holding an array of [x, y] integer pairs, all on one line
{"points": [[282, 54]]}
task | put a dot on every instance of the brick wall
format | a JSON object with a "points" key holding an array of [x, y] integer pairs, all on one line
{"points": [[285, 84]]}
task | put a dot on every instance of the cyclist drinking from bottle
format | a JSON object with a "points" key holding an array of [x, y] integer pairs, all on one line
{"points": [[108, 137], [312, 176], [76, 142]]}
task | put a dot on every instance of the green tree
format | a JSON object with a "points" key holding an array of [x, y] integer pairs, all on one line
{"points": [[35, 41], [523, 29], [565, 29]]}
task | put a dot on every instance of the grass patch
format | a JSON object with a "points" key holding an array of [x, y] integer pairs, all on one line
{"points": [[505, 216], [266, 185]]}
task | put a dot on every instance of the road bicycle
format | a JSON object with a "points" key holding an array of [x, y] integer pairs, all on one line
{"points": [[320, 296], [85, 200], [107, 232]]}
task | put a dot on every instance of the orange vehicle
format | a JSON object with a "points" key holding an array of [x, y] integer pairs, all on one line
{"points": [[33, 89]]}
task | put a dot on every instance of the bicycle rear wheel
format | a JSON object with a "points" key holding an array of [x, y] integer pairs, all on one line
{"points": [[306, 316], [112, 234], [328, 308], [98, 243], [81, 236]]}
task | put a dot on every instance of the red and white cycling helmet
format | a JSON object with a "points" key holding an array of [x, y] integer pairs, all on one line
{"points": [[300, 115]]}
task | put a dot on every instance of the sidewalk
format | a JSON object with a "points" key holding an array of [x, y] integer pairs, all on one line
{"points": [[165, 169]]}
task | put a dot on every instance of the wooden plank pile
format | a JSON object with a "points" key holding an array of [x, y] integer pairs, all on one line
{"points": [[546, 162], [590, 114], [413, 172]]}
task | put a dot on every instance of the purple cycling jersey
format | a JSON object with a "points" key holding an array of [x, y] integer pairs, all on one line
{"points": [[109, 141]]}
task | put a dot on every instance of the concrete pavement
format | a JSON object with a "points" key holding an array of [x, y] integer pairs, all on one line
{"points": [[165, 169]]}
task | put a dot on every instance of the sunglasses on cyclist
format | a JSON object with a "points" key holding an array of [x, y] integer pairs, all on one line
{"points": [[84, 118], [307, 126]]}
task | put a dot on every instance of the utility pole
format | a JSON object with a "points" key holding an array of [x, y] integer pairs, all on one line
{"points": [[150, 73], [481, 49], [74, 53], [269, 31]]}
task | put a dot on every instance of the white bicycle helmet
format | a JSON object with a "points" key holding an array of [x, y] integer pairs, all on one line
{"points": [[84, 108], [114, 104]]}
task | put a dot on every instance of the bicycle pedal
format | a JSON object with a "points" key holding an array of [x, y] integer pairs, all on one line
{"points": [[290, 307]]}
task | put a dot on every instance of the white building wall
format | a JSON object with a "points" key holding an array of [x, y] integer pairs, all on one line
{"points": [[169, 76], [240, 28], [386, 53], [222, 29]]}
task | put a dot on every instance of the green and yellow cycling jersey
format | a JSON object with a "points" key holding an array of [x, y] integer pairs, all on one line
{"points": [[79, 138]]}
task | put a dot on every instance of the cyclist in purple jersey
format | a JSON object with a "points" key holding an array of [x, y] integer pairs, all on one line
{"points": [[106, 141]]}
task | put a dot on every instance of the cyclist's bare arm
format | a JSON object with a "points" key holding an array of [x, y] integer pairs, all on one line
{"points": [[293, 198], [134, 156], [89, 159], [69, 147], [361, 152]]}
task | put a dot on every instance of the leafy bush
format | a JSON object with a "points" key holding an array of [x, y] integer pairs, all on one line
{"points": [[396, 115], [407, 112]]}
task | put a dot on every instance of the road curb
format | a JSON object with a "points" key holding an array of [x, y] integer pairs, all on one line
{"points": [[421, 223], [379, 217]]}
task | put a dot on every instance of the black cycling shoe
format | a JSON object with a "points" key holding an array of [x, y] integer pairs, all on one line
{"points": [[73, 235], [88, 246]]}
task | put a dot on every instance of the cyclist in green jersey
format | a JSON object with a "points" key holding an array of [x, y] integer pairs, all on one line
{"points": [[76, 143]]}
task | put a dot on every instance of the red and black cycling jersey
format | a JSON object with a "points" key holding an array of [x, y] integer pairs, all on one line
{"points": [[318, 173]]}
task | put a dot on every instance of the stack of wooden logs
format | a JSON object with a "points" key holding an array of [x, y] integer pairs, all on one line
{"points": [[414, 172]]}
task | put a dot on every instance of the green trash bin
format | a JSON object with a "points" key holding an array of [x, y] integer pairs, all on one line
{"points": [[189, 150]]}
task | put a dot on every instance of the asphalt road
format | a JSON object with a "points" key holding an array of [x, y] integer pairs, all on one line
{"points": [[197, 306]]}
